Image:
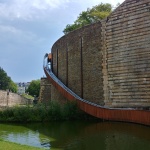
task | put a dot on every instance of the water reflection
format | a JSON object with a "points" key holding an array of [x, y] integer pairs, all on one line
{"points": [[79, 135]]}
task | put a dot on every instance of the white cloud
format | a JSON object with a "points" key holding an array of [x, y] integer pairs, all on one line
{"points": [[26, 9], [46, 4], [92, 3], [7, 29], [32, 9], [17, 37], [28, 28]]}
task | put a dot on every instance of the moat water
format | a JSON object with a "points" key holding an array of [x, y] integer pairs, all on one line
{"points": [[79, 135]]}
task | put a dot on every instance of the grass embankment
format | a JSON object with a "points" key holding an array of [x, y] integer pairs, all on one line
{"points": [[28, 96], [41, 112], [4, 145]]}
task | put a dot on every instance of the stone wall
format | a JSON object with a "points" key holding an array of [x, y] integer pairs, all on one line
{"points": [[128, 54], [56, 96], [108, 62], [12, 99], [49, 93], [45, 91], [77, 60]]}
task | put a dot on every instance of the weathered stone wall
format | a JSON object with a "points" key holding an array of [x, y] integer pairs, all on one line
{"points": [[49, 93], [58, 62], [108, 62], [92, 64], [56, 96], [128, 54], [45, 91], [12, 99], [79, 59]]}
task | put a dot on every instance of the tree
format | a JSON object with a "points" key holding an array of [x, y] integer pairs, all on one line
{"points": [[4, 79], [12, 86], [34, 88], [92, 15], [6, 82]]}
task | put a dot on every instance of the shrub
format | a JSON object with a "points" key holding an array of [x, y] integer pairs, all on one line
{"points": [[22, 114], [43, 112]]}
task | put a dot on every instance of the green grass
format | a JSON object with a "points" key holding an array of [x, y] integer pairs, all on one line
{"points": [[5, 145], [28, 96]]}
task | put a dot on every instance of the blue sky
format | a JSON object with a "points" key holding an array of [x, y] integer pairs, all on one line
{"points": [[28, 30]]}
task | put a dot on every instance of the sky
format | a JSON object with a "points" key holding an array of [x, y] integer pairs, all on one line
{"points": [[29, 28]]}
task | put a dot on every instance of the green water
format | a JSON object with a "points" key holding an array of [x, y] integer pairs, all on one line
{"points": [[75, 135]]}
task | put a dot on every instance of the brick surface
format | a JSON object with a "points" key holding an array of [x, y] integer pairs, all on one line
{"points": [[108, 62], [127, 42]]}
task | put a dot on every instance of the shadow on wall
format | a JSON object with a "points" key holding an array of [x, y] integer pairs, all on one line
{"points": [[12, 99]]}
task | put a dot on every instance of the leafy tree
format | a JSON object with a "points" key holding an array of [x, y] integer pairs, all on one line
{"points": [[6, 82], [4, 79], [92, 15], [34, 88], [12, 86]]}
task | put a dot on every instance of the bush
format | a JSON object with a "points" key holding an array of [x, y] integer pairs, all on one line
{"points": [[54, 111], [70, 111], [43, 112], [39, 112], [7, 114], [22, 114]]}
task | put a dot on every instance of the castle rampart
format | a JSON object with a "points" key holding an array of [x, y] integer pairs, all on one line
{"points": [[108, 62]]}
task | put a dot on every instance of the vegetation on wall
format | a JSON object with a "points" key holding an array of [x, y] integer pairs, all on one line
{"points": [[27, 96], [90, 16], [6, 82], [34, 88]]}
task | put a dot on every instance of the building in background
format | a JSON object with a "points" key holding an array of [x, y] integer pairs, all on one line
{"points": [[22, 87]]}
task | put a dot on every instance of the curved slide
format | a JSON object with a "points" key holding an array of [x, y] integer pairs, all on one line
{"points": [[106, 113]]}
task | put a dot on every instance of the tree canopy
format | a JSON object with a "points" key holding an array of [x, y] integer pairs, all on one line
{"points": [[90, 16], [6, 82], [34, 88]]}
